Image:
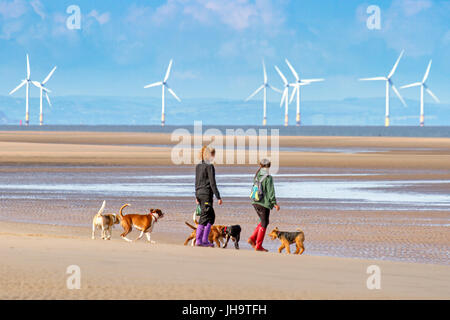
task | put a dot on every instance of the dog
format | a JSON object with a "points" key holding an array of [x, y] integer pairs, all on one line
{"points": [[143, 222], [234, 233], [287, 238], [216, 234], [105, 222]]}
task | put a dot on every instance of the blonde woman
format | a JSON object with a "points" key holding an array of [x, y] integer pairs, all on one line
{"points": [[205, 190]]}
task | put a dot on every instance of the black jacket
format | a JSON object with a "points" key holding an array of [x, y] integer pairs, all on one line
{"points": [[205, 180]]}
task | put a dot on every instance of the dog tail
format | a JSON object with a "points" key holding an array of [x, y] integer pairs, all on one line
{"points": [[190, 225], [123, 207], [102, 208]]}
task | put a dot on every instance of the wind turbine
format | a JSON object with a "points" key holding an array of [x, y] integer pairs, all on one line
{"points": [[264, 87], [26, 82], [41, 86], [422, 87], [389, 84], [297, 86], [164, 85], [285, 96]]}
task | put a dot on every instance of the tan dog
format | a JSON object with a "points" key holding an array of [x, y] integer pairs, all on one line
{"points": [[216, 235], [287, 238], [142, 222], [105, 222]]}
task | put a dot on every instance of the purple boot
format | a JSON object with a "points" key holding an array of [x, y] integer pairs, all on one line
{"points": [[199, 235], [205, 240]]}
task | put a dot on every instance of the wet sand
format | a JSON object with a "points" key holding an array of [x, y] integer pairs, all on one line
{"points": [[132, 149], [410, 240]]}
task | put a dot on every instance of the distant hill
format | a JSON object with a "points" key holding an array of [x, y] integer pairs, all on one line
{"points": [[88, 110]]}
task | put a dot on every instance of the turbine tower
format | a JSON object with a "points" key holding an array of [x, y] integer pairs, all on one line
{"points": [[389, 84], [285, 97], [42, 89], [423, 86], [164, 85], [26, 82], [298, 83], [264, 87]]}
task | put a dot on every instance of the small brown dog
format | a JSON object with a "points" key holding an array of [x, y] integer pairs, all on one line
{"points": [[104, 221], [142, 222], [287, 238], [216, 235]]}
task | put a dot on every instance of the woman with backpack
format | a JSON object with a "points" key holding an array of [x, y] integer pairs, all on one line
{"points": [[264, 200], [205, 190]]}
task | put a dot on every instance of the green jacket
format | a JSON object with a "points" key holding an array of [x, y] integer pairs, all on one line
{"points": [[269, 199]]}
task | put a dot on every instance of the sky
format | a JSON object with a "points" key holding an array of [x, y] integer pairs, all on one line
{"points": [[218, 46]]}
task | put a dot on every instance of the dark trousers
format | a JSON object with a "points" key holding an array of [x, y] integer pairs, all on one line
{"points": [[263, 214], [208, 215]]}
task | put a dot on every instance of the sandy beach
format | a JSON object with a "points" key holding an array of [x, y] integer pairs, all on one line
{"points": [[360, 201], [35, 260]]}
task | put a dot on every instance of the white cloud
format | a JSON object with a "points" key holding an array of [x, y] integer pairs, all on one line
{"points": [[101, 18], [13, 9], [235, 14], [413, 7], [38, 8]]}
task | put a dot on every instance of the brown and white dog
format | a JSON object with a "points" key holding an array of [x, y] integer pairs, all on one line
{"points": [[142, 222], [105, 222]]}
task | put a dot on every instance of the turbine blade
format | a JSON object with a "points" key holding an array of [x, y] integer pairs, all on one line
{"points": [[425, 77], [416, 84], [153, 85], [18, 87], [28, 68], [296, 88], [281, 75], [49, 76], [398, 95], [265, 72], [275, 89], [283, 97], [48, 99], [373, 79], [254, 93], [36, 84], [173, 94], [432, 95], [292, 70], [168, 70], [396, 64]]}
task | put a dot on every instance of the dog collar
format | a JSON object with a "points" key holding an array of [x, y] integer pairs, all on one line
{"points": [[156, 219]]}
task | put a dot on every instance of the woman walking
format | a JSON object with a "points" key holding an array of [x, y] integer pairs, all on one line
{"points": [[263, 205], [205, 190]]}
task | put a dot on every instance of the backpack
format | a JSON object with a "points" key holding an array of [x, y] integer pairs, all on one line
{"points": [[198, 210], [257, 193]]}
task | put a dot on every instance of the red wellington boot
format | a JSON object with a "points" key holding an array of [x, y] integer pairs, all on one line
{"points": [[252, 239], [260, 239]]}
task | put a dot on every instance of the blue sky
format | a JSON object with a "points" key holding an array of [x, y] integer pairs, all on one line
{"points": [[217, 46]]}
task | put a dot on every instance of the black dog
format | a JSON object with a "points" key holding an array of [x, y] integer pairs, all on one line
{"points": [[233, 232]]}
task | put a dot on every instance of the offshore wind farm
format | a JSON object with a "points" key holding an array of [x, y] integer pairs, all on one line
{"points": [[294, 85]]}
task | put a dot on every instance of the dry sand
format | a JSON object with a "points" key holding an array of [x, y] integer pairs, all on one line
{"points": [[35, 261]]}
